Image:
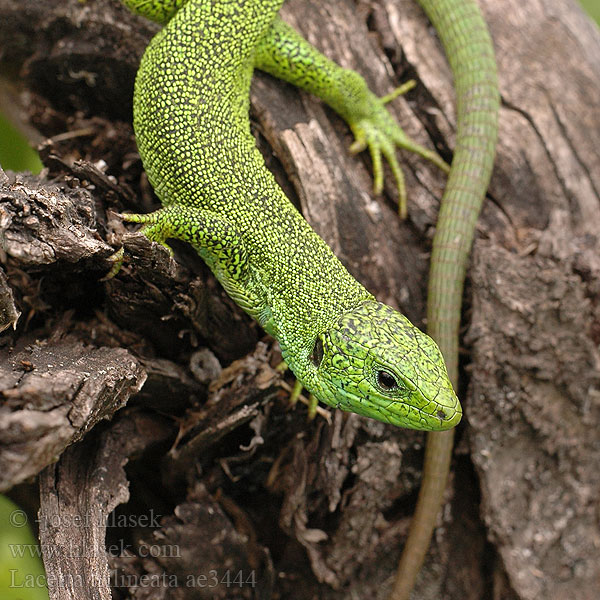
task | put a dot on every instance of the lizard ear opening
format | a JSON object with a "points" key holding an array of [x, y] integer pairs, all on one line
{"points": [[316, 355]]}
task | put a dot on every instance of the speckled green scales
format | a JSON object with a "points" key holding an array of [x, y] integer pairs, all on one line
{"points": [[193, 132]]}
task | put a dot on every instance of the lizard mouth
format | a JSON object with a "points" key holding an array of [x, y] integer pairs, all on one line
{"points": [[433, 416]]}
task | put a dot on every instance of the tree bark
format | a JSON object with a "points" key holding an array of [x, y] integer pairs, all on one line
{"points": [[238, 484]]}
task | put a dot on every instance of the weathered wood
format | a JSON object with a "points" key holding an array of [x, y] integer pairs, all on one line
{"points": [[333, 503], [54, 391], [77, 495]]}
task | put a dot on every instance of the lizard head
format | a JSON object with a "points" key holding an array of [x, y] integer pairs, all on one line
{"points": [[374, 362]]}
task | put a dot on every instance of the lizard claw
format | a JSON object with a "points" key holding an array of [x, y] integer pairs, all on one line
{"points": [[378, 132], [360, 142], [401, 89], [296, 394], [312, 404], [117, 261], [153, 228]]}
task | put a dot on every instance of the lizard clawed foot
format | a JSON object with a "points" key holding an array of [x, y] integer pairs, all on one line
{"points": [[154, 226], [154, 231], [381, 135], [296, 394], [117, 262]]}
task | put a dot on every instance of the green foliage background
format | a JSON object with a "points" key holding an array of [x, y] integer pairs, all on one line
{"points": [[15, 152], [21, 577], [593, 8]]}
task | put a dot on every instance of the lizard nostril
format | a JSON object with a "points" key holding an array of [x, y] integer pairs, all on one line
{"points": [[441, 415]]}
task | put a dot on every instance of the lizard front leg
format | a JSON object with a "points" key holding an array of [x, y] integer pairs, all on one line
{"points": [[218, 242], [285, 54]]}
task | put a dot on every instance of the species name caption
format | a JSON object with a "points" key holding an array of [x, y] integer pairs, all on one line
{"points": [[115, 578]]}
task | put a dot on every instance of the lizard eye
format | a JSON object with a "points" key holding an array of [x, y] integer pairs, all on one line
{"points": [[316, 355], [386, 381]]}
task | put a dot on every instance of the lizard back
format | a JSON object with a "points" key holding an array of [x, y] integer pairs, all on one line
{"points": [[191, 118]]}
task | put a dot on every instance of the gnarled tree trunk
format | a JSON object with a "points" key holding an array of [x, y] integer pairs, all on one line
{"points": [[247, 499]]}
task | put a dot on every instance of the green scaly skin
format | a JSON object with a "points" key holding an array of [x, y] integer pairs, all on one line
{"points": [[192, 127], [218, 195], [469, 49]]}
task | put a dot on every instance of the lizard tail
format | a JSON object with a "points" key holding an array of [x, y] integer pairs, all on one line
{"points": [[469, 50]]}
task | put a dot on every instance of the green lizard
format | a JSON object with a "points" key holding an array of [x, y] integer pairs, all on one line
{"points": [[193, 132], [191, 119]]}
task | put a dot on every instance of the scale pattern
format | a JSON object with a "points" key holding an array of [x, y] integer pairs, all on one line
{"points": [[192, 127], [470, 52]]}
